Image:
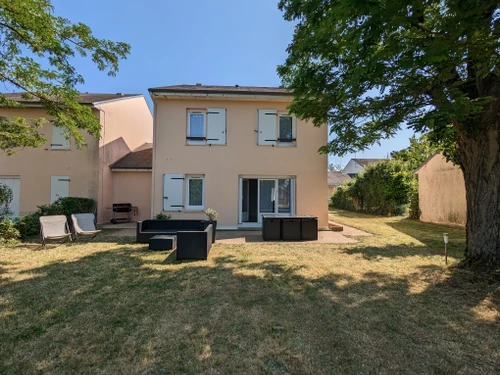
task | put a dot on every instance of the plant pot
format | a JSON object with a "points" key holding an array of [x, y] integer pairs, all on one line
{"points": [[214, 229]]}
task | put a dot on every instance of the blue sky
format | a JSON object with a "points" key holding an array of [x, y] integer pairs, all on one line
{"points": [[220, 42]]}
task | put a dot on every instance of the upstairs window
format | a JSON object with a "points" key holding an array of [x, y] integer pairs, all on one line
{"points": [[276, 129], [286, 131], [59, 140], [206, 127], [196, 132]]}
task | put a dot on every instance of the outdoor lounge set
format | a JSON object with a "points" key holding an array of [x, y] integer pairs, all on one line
{"points": [[193, 238]]}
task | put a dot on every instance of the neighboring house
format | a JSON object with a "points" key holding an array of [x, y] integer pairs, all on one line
{"points": [[132, 180], [355, 166], [335, 179], [235, 149], [441, 192], [40, 176]]}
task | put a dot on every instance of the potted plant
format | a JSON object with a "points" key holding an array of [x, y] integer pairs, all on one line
{"points": [[212, 219], [163, 216]]}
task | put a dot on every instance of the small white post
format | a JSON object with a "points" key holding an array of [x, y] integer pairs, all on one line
{"points": [[445, 237]]}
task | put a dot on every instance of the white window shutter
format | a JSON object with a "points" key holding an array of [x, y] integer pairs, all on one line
{"points": [[267, 127], [59, 141], [216, 134], [59, 187], [172, 191]]}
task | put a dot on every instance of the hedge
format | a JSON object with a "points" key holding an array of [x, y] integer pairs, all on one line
{"points": [[383, 188]]}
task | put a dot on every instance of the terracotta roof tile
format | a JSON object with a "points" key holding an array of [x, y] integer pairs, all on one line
{"points": [[140, 158]]}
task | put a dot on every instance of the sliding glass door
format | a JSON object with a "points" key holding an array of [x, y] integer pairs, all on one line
{"points": [[275, 197]]}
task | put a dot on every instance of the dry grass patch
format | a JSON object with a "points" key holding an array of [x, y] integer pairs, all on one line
{"points": [[385, 305]]}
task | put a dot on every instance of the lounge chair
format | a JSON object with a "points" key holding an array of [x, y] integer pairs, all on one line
{"points": [[84, 225], [54, 228]]}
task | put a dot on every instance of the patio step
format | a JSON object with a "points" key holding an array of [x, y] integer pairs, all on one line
{"points": [[335, 227]]}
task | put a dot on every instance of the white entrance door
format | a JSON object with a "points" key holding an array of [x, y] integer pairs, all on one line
{"points": [[15, 185]]}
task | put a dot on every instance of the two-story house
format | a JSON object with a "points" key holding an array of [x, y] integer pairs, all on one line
{"points": [[58, 169], [237, 150]]}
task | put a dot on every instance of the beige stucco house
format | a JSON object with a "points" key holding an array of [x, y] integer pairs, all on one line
{"points": [[235, 149], [58, 169], [441, 192]]}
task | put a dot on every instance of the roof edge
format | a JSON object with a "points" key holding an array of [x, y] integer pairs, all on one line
{"points": [[159, 90], [425, 162]]}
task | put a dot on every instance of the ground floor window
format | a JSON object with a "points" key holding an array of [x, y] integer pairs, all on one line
{"points": [[195, 192]]}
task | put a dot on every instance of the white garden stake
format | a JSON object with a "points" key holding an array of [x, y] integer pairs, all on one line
{"points": [[445, 236]]}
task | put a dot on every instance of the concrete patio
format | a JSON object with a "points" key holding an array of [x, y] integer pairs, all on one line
{"points": [[253, 236]]}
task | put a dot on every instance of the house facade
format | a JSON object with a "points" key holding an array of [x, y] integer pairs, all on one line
{"points": [[355, 166], [237, 150], [441, 192], [40, 176]]}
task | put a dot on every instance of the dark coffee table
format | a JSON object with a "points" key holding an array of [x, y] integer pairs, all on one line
{"points": [[163, 242]]}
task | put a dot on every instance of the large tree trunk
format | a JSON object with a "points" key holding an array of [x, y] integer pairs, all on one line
{"points": [[479, 153]]}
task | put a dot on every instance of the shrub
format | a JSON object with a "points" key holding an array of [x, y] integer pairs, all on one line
{"points": [[414, 207], [342, 197], [163, 216], [9, 234], [212, 215], [29, 225], [382, 188]]}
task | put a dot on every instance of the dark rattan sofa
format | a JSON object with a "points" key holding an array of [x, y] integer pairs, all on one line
{"points": [[194, 237], [194, 244], [150, 228]]}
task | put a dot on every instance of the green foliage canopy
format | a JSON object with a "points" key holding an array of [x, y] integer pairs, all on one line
{"points": [[36, 49], [417, 153], [367, 67]]}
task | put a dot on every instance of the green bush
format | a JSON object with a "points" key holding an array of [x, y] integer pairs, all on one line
{"points": [[382, 188], [9, 234], [29, 225], [342, 197], [414, 207], [163, 216]]}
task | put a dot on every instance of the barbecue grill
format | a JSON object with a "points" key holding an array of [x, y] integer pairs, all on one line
{"points": [[121, 213]]}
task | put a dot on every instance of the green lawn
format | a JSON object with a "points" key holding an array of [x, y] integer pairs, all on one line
{"points": [[385, 305]]}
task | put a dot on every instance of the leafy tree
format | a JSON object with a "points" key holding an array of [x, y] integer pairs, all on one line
{"points": [[335, 167], [36, 48], [417, 153], [367, 67]]}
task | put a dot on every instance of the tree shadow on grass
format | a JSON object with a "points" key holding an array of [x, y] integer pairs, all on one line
{"points": [[133, 311], [425, 240]]}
